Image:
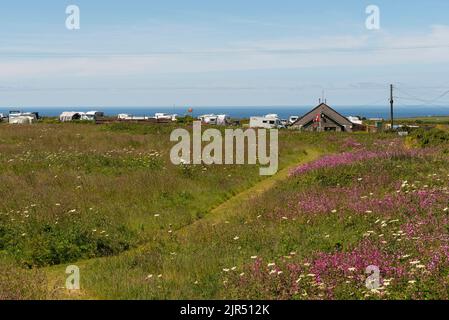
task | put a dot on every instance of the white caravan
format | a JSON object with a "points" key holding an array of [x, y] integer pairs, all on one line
{"points": [[166, 116], [22, 120], [355, 120], [17, 117], [270, 121], [221, 119], [293, 119], [93, 115]]}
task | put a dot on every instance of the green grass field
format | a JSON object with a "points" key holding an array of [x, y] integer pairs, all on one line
{"points": [[107, 199], [426, 120]]}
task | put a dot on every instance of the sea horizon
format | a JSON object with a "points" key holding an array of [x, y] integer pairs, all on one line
{"points": [[241, 111]]}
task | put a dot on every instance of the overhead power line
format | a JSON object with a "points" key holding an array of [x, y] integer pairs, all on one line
{"points": [[434, 101], [424, 101]]}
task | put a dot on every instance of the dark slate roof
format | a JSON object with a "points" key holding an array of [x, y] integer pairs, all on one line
{"points": [[328, 111]]}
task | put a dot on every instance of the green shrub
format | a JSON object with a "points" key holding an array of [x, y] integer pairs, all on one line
{"points": [[428, 138], [50, 244]]}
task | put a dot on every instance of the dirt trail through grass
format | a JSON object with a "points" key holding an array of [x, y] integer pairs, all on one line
{"points": [[233, 205], [220, 214]]}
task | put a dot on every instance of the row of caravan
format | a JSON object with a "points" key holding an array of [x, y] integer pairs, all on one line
{"points": [[157, 116], [270, 121]]}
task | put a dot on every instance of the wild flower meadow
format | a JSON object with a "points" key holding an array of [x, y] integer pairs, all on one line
{"points": [[106, 198]]}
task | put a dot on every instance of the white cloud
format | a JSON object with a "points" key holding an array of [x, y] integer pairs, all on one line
{"points": [[366, 50]]}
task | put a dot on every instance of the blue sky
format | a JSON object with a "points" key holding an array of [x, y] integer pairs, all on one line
{"points": [[226, 53]]}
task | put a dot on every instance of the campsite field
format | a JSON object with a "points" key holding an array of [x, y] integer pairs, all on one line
{"points": [[107, 199]]}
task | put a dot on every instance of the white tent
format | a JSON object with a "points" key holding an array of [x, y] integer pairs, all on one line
{"points": [[71, 116]]}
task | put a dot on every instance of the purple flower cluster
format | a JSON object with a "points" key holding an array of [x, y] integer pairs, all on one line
{"points": [[332, 267], [320, 276], [347, 158], [358, 200]]}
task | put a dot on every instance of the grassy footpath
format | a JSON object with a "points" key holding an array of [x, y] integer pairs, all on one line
{"points": [[233, 205]]}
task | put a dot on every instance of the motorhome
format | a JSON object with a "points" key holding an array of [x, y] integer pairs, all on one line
{"points": [[270, 121]]}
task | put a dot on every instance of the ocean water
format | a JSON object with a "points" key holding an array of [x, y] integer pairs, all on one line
{"points": [[245, 112]]}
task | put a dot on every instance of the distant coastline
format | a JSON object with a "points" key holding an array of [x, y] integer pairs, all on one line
{"points": [[246, 112]]}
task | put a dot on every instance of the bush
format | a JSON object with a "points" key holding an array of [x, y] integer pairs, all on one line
{"points": [[69, 241], [428, 138]]}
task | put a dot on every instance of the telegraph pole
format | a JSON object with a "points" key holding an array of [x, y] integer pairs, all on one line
{"points": [[391, 106]]}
